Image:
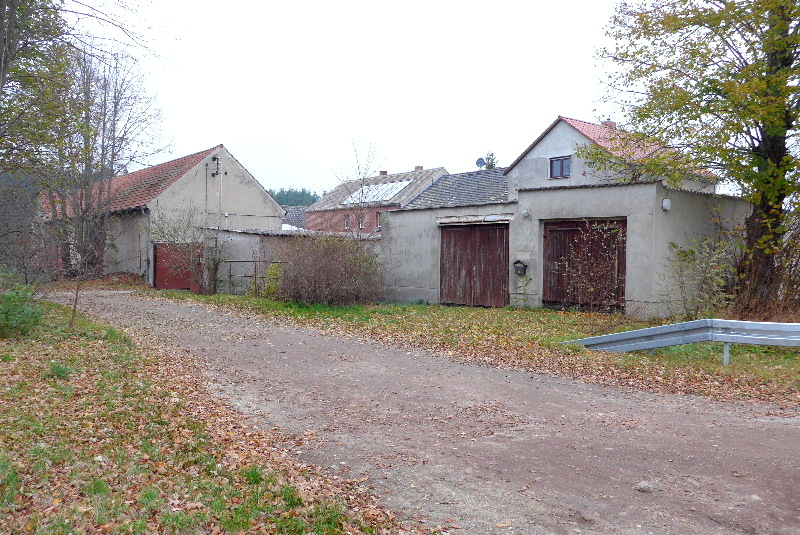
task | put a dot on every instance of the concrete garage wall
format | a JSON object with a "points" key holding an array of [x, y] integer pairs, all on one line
{"points": [[648, 289], [409, 249], [689, 218], [410, 239]]}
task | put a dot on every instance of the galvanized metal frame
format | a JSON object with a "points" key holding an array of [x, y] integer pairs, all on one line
{"points": [[690, 332]]}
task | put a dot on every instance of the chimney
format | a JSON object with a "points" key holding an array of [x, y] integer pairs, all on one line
{"points": [[383, 173], [608, 123], [418, 168]]}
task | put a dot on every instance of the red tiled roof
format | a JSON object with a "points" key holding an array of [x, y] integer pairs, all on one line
{"points": [[140, 187], [610, 138], [134, 190]]}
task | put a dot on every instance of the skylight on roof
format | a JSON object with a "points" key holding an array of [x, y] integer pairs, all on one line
{"points": [[376, 192]]}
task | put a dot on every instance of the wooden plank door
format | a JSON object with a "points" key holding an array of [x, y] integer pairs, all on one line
{"points": [[456, 266], [491, 273], [474, 265], [584, 263]]}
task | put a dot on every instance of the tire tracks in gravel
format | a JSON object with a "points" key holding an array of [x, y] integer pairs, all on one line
{"points": [[480, 450]]}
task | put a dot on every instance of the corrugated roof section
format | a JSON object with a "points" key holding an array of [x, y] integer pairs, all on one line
{"points": [[464, 189], [376, 192], [342, 195]]}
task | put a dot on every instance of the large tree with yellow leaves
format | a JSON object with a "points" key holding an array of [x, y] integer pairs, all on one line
{"points": [[718, 80]]}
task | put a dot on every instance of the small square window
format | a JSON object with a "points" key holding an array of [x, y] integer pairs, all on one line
{"points": [[560, 167]]}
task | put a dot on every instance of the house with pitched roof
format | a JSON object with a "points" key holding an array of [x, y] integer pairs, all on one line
{"points": [[552, 230], [356, 206], [209, 187]]}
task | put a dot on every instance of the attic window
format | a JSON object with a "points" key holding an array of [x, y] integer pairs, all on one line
{"points": [[560, 167]]}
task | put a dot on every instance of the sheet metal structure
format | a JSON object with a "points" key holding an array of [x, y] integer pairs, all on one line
{"points": [[689, 332]]}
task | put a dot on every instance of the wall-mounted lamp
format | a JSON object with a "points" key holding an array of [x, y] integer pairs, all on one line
{"points": [[520, 268], [666, 205], [526, 213]]}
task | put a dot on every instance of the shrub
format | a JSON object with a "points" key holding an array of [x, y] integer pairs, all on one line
{"points": [[18, 313], [702, 276], [329, 270]]}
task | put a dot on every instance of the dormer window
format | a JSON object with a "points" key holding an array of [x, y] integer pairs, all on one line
{"points": [[560, 167]]}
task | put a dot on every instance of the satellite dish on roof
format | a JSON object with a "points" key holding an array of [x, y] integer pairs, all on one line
{"points": [[480, 162]]}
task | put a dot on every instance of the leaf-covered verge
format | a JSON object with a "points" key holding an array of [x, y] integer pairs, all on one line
{"points": [[97, 436], [112, 281], [529, 339]]}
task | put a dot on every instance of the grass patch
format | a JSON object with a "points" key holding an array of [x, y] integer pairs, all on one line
{"points": [[530, 338], [97, 437]]}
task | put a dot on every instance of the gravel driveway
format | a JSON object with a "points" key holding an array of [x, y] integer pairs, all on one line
{"points": [[479, 450]]}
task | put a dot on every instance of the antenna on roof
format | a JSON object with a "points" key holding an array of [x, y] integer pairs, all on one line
{"points": [[480, 163]]}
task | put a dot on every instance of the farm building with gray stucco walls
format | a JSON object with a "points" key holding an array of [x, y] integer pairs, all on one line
{"points": [[442, 251]]}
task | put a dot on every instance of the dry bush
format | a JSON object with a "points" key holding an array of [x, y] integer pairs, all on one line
{"points": [[595, 278], [329, 270]]}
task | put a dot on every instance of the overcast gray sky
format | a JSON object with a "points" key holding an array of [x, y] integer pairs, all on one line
{"points": [[288, 87]]}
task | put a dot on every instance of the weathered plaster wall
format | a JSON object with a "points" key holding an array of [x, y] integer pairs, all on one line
{"points": [[127, 240], [232, 191], [533, 171], [411, 239], [410, 249]]}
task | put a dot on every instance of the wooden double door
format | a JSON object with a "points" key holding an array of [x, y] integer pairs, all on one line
{"points": [[474, 265]]}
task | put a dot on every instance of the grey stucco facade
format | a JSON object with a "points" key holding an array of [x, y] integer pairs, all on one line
{"points": [[411, 239]]}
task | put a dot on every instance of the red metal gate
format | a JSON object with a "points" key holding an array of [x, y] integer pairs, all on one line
{"points": [[584, 262], [172, 271], [474, 265]]}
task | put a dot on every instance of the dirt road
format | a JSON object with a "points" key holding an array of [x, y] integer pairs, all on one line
{"points": [[478, 450]]}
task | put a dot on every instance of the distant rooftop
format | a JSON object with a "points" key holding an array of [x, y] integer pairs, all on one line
{"points": [[383, 190], [376, 192], [464, 189]]}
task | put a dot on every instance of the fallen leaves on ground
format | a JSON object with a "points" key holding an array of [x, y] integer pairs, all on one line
{"points": [[526, 339], [99, 436]]}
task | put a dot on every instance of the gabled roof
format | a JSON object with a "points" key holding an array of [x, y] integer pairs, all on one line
{"points": [[608, 137], [382, 190], [464, 189], [136, 189]]}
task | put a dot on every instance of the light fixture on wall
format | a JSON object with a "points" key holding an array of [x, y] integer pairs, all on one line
{"points": [[526, 213], [666, 205]]}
